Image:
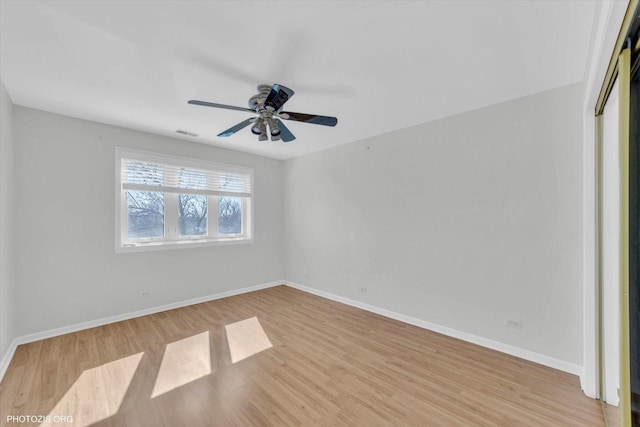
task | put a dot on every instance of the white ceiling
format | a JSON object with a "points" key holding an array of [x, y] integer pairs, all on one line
{"points": [[378, 66]]}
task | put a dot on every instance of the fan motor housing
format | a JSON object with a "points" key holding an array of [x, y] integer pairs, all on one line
{"points": [[257, 100]]}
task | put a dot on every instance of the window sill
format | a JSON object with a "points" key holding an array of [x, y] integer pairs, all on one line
{"points": [[179, 244]]}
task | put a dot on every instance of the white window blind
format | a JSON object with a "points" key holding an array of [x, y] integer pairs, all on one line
{"points": [[164, 177]]}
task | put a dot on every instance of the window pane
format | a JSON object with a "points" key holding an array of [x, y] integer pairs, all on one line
{"points": [[192, 215], [230, 215], [145, 211]]}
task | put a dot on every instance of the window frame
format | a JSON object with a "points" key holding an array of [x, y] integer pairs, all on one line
{"points": [[171, 238]]}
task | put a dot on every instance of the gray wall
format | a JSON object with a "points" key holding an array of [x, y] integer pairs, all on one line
{"points": [[7, 283], [67, 271], [462, 222]]}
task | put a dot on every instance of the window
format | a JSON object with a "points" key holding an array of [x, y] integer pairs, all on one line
{"points": [[167, 202]]}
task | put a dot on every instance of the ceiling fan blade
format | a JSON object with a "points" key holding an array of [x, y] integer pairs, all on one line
{"points": [[237, 127], [278, 96], [285, 133], [212, 104], [309, 118]]}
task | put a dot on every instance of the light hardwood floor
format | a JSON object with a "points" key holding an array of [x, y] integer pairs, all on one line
{"points": [[328, 364]]}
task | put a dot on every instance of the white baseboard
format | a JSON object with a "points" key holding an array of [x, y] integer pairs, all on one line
{"points": [[8, 355], [120, 317], [484, 342], [586, 384]]}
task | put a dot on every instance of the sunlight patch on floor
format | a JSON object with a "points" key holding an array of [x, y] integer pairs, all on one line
{"points": [[184, 361], [246, 338], [97, 393]]}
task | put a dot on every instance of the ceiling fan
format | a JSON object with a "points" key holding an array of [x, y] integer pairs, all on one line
{"points": [[268, 103]]}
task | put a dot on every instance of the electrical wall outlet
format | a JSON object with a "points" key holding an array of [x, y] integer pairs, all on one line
{"points": [[144, 294], [513, 323], [362, 290]]}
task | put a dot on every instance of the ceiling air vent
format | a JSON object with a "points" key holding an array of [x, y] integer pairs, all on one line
{"points": [[184, 132]]}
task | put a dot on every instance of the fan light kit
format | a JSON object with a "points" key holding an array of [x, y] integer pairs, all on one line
{"points": [[268, 103]]}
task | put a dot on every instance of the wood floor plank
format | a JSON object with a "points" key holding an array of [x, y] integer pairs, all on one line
{"points": [[329, 364]]}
